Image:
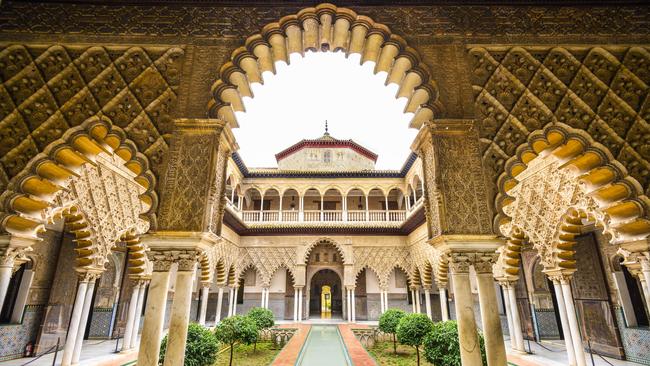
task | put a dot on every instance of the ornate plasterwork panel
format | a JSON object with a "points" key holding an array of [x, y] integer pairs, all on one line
{"points": [[226, 21], [45, 90], [382, 261], [108, 198], [543, 197], [268, 260], [431, 193], [602, 90]]}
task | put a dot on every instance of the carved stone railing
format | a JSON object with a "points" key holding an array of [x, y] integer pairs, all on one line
{"points": [[271, 216]]}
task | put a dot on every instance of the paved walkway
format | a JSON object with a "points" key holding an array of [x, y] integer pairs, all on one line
{"points": [[553, 354], [289, 354], [93, 353]]}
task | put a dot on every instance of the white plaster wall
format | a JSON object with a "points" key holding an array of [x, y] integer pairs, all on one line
{"points": [[342, 159], [279, 281]]}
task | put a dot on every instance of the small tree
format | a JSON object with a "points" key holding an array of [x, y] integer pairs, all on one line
{"points": [[442, 346], [411, 330], [201, 349], [236, 329], [388, 322], [263, 318]]}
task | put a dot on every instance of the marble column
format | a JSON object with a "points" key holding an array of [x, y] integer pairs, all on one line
{"points": [[382, 307], [470, 352], [6, 270], [506, 304], [234, 300], [154, 315], [354, 306], [21, 297], [418, 302], [494, 346], [427, 302], [300, 302], [205, 292], [130, 317], [349, 306], [217, 316], [414, 302], [573, 321], [645, 278], [180, 316], [231, 297], [75, 319], [295, 305], [516, 319], [564, 320], [385, 300], [138, 314], [76, 353], [443, 304], [263, 298]]}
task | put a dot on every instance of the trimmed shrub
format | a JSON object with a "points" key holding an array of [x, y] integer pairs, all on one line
{"points": [[201, 349], [388, 322], [412, 329], [442, 346], [236, 329], [263, 318]]}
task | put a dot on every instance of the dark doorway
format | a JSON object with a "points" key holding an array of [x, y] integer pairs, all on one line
{"points": [[325, 277]]}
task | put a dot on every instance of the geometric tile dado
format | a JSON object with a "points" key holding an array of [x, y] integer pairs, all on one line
{"points": [[602, 90], [45, 90]]}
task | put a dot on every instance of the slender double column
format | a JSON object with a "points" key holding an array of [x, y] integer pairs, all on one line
{"points": [[180, 316], [470, 352], [235, 291], [265, 298], [217, 316], [494, 346], [130, 317], [578, 348], [564, 320], [6, 269], [349, 304], [427, 302], [77, 327], [354, 306], [138, 313], [383, 299], [205, 293], [418, 301], [300, 300], [295, 304], [443, 303], [414, 300], [231, 298]]}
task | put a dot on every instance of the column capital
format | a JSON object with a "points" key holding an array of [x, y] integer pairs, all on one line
{"points": [[459, 262], [559, 277], [88, 275], [484, 262], [205, 284]]}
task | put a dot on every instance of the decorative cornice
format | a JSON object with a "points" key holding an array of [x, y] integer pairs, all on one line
{"points": [[329, 143], [274, 173]]}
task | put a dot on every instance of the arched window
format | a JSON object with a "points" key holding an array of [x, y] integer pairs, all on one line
{"points": [[327, 157]]}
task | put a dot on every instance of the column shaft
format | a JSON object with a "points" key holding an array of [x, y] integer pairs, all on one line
{"points": [[300, 304], [427, 302], [381, 302], [73, 327], [180, 318], [470, 353], [494, 345], [295, 305], [443, 304], [138, 315], [130, 317], [506, 304], [76, 354], [153, 319], [21, 297], [564, 320], [234, 300], [573, 324], [205, 292], [217, 316], [418, 303], [5, 278], [516, 322], [354, 306], [414, 301]]}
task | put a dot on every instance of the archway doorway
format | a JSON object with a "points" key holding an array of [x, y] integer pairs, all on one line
{"points": [[325, 297]]}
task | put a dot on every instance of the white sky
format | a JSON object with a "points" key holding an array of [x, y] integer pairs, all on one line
{"points": [[295, 102]]}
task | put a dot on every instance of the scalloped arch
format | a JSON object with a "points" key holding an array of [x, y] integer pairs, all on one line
{"points": [[332, 242], [323, 28], [619, 204]]}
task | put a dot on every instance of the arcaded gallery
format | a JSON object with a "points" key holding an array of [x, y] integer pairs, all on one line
{"points": [[190, 182]]}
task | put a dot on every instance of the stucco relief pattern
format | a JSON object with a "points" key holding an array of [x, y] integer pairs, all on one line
{"points": [[431, 194], [45, 90], [598, 89], [220, 21], [382, 261]]}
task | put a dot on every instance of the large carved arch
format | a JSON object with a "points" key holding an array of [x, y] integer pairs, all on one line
{"points": [[95, 179], [558, 181], [342, 252], [325, 28]]}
